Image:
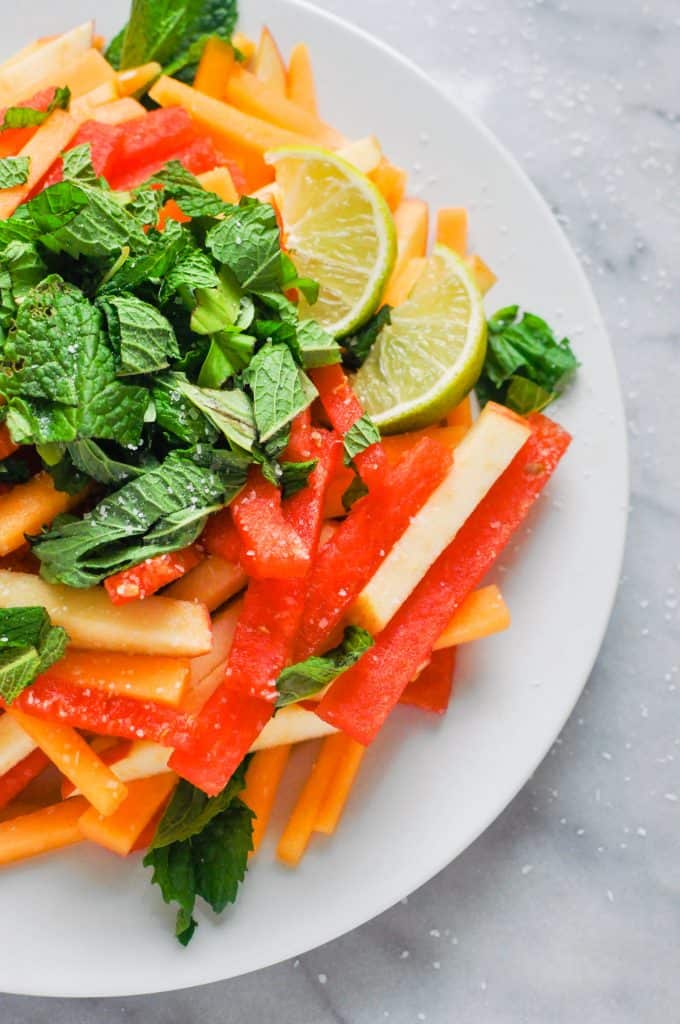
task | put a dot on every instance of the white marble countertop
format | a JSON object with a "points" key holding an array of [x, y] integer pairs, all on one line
{"points": [[568, 908]]}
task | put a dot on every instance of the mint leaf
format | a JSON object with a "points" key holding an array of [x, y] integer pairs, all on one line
{"points": [[248, 242], [173, 873], [146, 204], [280, 390], [100, 229], [77, 219], [201, 849], [21, 268], [177, 417], [230, 412], [77, 165], [190, 810], [90, 458], [189, 277], [143, 339], [216, 18], [65, 386], [163, 510], [14, 170], [524, 350], [29, 644], [356, 490], [229, 352], [360, 436], [290, 279], [280, 304], [316, 347], [114, 50], [185, 188], [148, 268], [357, 346], [217, 307], [295, 476], [156, 30], [49, 211], [29, 117], [172, 32], [221, 856], [526, 397], [307, 678]]}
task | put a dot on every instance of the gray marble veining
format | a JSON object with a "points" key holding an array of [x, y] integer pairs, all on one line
{"points": [[568, 908]]}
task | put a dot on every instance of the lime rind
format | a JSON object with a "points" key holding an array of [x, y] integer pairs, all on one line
{"points": [[431, 356]]}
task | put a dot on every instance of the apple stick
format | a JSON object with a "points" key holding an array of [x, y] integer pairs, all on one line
{"points": [[166, 627]]}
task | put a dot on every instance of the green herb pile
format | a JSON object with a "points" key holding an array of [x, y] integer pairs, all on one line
{"points": [[157, 364]]}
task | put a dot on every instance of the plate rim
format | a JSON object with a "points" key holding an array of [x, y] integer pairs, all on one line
{"points": [[435, 867]]}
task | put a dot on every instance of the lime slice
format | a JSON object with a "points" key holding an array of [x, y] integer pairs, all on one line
{"points": [[339, 231], [432, 353]]}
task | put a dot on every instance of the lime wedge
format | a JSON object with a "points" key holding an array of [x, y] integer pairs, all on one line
{"points": [[432, 353], [339, 231]]}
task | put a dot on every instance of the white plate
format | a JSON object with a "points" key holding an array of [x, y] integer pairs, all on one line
{"points": [[85, 923]]}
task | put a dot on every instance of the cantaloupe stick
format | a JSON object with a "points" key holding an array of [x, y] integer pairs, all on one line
{"points": [[50, 828], [364, 154], [179, 629], [222, 122], [482, 613], [244, 45], [452, 228], [262, 782], [15, 743], [220, 181], [88, 72], [120, 831], [141, 759], [399, 288], [85, 107], [301, 85], [483, 274], [119, 111], [30, 506], [214, 581], [396, 445], [69, 752], [26, 51], [411, 219], [163, 680], [298, 831], [134, 80], [248, 93], [21, 80], [223, 629], [461, 415], [51, 138], [215, 68], [391, 181], [336, 797], [268, 63]]}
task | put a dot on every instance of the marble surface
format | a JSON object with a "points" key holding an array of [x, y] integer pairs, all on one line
{"points": [[568, 908]]}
